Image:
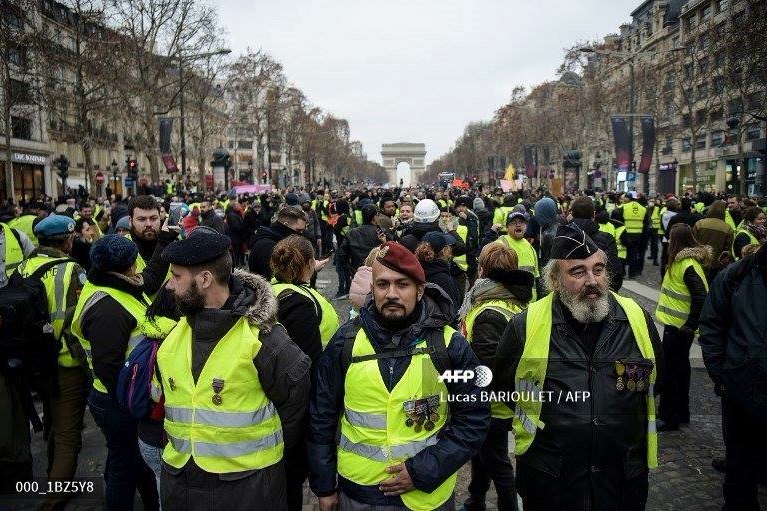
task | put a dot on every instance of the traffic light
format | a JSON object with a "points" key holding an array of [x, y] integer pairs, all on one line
{"points": [[62, 163]]}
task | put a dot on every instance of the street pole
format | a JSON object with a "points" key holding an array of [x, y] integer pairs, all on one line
{"points": [[631, 117], [181, 108]]}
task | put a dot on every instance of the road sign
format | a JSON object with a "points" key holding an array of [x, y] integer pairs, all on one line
{"points": [[99, 177], [631, 176], [129, 181]]}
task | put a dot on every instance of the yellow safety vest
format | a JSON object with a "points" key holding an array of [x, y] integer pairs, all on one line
{"points": [[327, 315], [526, 256], [374, 433], [660, 220], [674, 299], [729, 220], [134, 306], [622, 250], [225, 421], [655, 217], [358, 217], [530, 377], [500, 214], [507, 309], [322, 215], [751, 240], [608, 228], [25, 225], [14, 254], [56, 281], [633, 217], [460, 261], [699, 207]]}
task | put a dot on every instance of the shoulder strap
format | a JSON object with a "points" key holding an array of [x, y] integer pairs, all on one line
{"points": [[435, 342], [38, 273], [346, 350]]}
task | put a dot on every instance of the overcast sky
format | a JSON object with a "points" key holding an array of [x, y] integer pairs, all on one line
{"points": [[416, 70]]}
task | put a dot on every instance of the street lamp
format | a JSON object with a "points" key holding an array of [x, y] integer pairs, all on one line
{"points": [[115, 170], [630, 58]]}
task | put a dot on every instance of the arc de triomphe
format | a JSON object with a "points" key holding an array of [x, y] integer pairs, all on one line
{"points": [[412, 154]]}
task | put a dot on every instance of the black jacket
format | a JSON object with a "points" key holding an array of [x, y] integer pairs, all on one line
{"points": [[416, 230], [458, 442], [595, 447], [606, 242], [358, 244], [212, 220], [732, 326], [108, 325], [234, 227], [262, 245], [298, 314], [151, 251], [438, 272]]}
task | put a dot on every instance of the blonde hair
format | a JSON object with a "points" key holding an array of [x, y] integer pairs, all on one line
{"points": [[371, 258]]}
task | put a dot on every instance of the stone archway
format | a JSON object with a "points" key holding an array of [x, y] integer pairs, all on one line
{"points": [[412, 154]]}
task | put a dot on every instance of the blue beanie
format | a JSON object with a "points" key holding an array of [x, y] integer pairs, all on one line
{"points": [[113, 253], [546, 211]]}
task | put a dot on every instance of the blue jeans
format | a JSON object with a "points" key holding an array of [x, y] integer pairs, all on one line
{"points": [[124, 471], [153, 458]]}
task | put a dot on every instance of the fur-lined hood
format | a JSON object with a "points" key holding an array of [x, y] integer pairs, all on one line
{"points": [[704, 254], [256, 302]]}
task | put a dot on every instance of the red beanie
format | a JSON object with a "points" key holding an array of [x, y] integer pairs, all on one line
{"points": [[398, 258]]}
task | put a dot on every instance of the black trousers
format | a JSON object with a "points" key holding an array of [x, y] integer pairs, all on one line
{"points": [[746, 447], [654, 240], [663, 258], [492, 464], [674, 406], [633, 254], [296, 471]]}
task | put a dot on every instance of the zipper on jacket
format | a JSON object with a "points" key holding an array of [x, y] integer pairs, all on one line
{"points": [[391, 373]]}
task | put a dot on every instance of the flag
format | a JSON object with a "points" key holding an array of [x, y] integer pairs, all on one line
{"points": [[622, 142], [511, 173], [648, 142], [530, 163]]}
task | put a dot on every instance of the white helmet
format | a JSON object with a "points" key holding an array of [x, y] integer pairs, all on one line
{"points": [[426, 211]]}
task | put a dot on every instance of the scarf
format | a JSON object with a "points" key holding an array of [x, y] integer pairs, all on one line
{"points": [[483, 290]]}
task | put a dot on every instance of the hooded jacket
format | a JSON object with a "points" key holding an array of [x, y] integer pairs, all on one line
{"points": [[694, 283], [438, 272], [261, 247], [606, 242], [547, 222], [413, 234], [458, 442], [355, 248]]}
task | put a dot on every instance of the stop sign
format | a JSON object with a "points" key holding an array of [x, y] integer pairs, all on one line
{"points": [[99, 177]]}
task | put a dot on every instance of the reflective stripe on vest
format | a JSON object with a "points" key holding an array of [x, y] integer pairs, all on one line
{"points": [[633, 217], [237, 431], [674, 300], [460, 261], [91, 294], [531, 372], [56, 281], [14, 254], [507, 309], [374, 434], [329, 321]]}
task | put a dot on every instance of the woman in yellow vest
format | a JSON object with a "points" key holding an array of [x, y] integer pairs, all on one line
{"points": [[501, 291], [682, 295], [752, 231], [107, 321], [311, 321]]}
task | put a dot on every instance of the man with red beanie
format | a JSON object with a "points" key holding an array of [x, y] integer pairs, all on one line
{"points": [[405, 428]]}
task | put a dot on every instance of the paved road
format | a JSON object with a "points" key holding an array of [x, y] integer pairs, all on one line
{"points": [[684, 481]]}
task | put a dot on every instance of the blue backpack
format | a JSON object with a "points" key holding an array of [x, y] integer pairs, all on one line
{"points": [[134, 384]]}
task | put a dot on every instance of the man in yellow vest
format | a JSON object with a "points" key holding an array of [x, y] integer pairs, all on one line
{"points": [[64, 410], [468, 230], [516, 226], [406, 424], [15, 246], [583, 362], [107, 322], [235, 385], [151, 238], [636, 220], [652, 235]]}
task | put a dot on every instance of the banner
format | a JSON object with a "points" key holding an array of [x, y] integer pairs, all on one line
{"points": [[166, 129], [648, 142], [506, 185], [622, 142], [546, 163], [530, 163]]}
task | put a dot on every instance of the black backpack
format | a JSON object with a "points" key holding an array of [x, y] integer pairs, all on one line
{"points": [[28, 348]]}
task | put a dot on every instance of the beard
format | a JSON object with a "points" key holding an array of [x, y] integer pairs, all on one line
{"points": [[191, 302], [584, 309], [389, 312], [148, 234]]}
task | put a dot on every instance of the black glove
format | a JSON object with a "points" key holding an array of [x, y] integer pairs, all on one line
{"points": [[687, 331]]}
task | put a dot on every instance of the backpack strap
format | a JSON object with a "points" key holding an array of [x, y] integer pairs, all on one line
{"points": [[38, 273], [439, 355]]}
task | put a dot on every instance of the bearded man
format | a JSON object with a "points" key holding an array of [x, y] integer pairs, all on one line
{"points": [[584, 361], [151, 240]]}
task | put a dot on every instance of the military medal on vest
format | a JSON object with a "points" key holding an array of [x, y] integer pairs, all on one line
{"points": [[620, 368], [421, 413], [218, 386]]}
